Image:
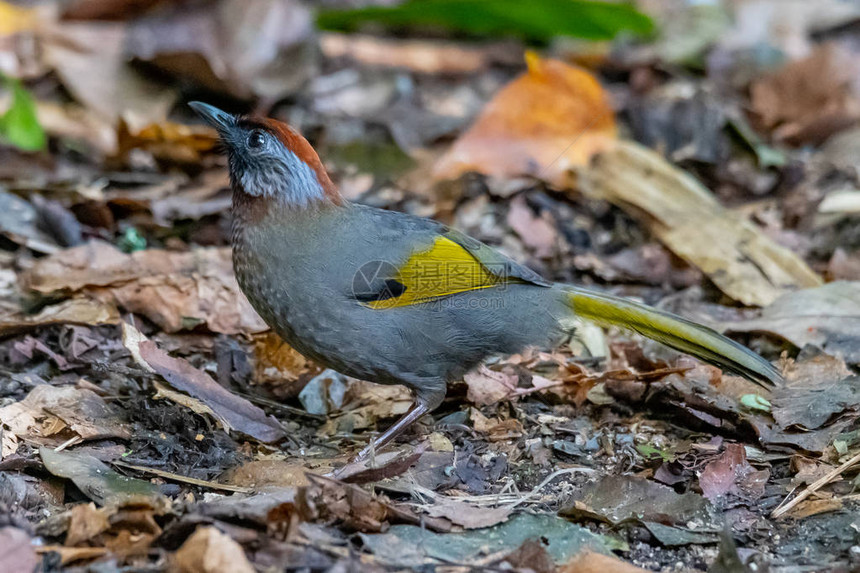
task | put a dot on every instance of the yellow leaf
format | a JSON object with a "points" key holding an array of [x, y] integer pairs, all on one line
{"points": [[553, 117]]}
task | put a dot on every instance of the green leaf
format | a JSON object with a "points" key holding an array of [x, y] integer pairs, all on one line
{"points": [[19, 126], [766, 155], [536, 20], [755, 402], [650, 452], [132, 241]]}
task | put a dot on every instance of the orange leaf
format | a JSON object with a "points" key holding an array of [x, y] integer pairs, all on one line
{"points": [[553, 117]]}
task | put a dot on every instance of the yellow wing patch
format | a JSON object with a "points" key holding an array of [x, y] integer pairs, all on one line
{"points": [[444, 269]]}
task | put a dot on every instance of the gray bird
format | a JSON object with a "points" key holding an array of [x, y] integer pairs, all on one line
{"points": [[397, 299]]}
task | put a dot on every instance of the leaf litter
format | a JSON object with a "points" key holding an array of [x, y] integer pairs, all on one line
{"points": [[660, 169]]}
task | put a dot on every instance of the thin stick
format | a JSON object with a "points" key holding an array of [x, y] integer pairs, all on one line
{"points": [[184, 479], [820, 483], [543, 484], [70, 442]]}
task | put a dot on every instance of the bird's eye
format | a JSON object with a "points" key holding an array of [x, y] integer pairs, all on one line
{"points": [[256, 139]]}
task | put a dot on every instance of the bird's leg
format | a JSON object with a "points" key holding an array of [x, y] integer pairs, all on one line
{"points": [[418, 409]]}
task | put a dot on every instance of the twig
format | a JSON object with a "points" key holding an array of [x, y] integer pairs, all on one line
{"points": [[184, 479], [544, 483], [818, 484], [68, 443]]}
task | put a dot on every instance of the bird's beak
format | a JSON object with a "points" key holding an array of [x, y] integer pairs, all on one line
{"points": [[220, 120]]}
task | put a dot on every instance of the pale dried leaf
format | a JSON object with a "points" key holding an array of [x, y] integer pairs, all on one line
{"points": [[742, 261]]}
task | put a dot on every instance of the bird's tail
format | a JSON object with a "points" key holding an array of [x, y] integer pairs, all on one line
{"points": [[673, 331]]}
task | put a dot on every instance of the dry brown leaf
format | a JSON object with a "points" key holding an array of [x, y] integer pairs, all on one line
{"points": [[16, 548], [233, 411], [532, 555], [466, 515], [174, 290], [330, 501], [809, 100], [281, 367], [537, 232], [812, 507], [421, 56], [553, 117], [167, 141], [489, 386], [81, 311], [257, 474], [86, 522], [732, 473], [246, 48], [73, 121], [590, 562], [497, 430], [91, 61], [365, 403], [743, 262], [827, 317], [210, 551], [208, 194], [49, 410]]}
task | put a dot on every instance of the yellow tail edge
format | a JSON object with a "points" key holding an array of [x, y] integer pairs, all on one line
{"points": [[674, 331]]}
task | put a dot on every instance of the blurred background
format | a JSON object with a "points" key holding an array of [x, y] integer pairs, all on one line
{"points": [[735, 91]]}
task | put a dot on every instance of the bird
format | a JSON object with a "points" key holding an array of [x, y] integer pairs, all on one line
{"points": [[393, 298]]}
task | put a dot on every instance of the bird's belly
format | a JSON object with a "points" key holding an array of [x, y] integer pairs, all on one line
{"points": [[322, 327]]}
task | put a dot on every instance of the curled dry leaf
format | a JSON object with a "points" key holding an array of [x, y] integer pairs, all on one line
{"points": [[551, 118], [174, 290], [742, 261], [365, 403], [234, 412]]}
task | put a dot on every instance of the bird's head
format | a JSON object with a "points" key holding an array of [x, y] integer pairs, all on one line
{"points": [[270, 160]]}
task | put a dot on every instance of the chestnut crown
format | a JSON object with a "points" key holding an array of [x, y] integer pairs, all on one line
{"points": [[269, 159]]}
